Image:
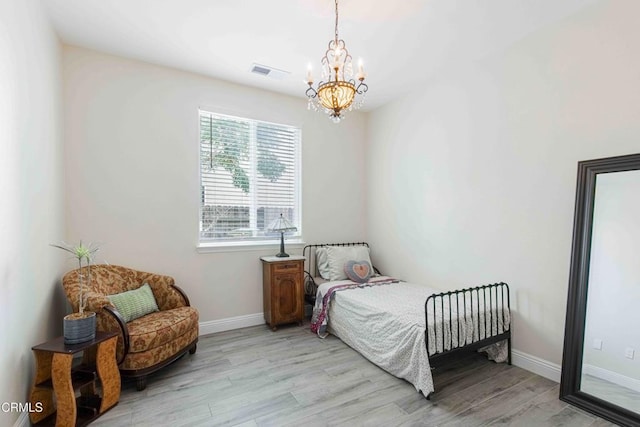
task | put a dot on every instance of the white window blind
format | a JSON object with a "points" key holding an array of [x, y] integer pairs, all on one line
{"points": [[249, 175]]}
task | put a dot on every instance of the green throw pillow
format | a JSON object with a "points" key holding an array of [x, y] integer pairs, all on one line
{"points": [[135, 303]]}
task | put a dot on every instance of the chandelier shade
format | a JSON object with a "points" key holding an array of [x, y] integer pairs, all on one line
{"points": [[337, 95], [338, 92]]}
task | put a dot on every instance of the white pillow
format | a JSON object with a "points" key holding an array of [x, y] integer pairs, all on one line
{"points": [[338, 256], [322, 262]]}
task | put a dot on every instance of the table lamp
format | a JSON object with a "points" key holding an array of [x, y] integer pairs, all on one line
{"points": [[282, 225]]}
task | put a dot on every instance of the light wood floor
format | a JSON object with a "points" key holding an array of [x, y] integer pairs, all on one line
{"points": [[256, 377]]}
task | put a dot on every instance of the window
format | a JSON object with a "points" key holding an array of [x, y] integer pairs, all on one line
{"points": [[249, 175]]}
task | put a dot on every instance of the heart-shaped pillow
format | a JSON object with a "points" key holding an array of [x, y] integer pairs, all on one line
{"points": [[358, 271]]}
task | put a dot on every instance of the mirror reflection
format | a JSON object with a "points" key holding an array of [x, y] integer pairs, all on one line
{"points": [[611, 356]]}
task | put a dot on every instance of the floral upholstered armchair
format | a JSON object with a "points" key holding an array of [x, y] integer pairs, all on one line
{"points": [[146, 343]]}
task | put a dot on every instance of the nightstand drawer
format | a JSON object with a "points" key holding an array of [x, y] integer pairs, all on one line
{"points": [[285, 267]]}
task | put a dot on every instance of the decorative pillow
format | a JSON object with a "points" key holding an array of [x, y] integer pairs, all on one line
{"points": [[358, 271], [135, 303], [338, 256]]}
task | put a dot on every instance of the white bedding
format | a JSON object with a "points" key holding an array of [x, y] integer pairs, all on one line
{"points": [[386, 324]]}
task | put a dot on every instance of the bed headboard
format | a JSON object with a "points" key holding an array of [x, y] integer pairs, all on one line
{"points": [[311, 269]]}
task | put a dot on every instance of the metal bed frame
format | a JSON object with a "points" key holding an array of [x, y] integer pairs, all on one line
{"points": [[495, 297], [489, 301]]}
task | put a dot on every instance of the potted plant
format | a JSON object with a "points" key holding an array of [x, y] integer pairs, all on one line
{"points": [[80, 326]]}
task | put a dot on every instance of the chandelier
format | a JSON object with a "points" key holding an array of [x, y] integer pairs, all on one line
{"points": [[337, 90]]}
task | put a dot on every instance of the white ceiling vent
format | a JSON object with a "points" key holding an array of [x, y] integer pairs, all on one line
{"points": [[266, 71]]}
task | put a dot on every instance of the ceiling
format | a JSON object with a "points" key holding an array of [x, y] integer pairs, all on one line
{"points": [[402, 43]]}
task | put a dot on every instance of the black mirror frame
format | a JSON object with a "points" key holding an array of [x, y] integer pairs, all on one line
{"points": [[588, 171]]}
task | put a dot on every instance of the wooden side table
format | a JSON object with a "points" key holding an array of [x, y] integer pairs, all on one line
{"points": [[55, 377], [283, 290]]}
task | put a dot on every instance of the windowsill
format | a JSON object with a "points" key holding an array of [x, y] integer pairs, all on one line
{"points": [[249, 246]]}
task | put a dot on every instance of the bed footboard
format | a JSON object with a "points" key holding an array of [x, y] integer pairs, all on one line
{"points": [[465, 320]]}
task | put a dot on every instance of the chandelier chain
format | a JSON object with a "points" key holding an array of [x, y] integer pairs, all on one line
{"points": [[336, 21]]}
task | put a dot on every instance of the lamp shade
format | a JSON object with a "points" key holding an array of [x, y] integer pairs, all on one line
{"points": [[281, 225]]}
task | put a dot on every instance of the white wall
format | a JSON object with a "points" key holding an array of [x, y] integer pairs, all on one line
{"points": [[614, 275], [131, 135], [471, 179], [31, 194]]}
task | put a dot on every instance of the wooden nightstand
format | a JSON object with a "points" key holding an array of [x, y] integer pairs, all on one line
{"points": [[282, 290]]}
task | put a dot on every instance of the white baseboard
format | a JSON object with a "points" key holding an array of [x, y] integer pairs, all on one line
{"points": [[612, 377], [230, 323], [23, 420], [536, 365]]}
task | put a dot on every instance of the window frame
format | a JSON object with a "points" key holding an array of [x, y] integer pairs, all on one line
{"points": [[295, 241]]}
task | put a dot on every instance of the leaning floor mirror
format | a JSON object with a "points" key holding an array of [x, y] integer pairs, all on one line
{"points": [[601, 358]]}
